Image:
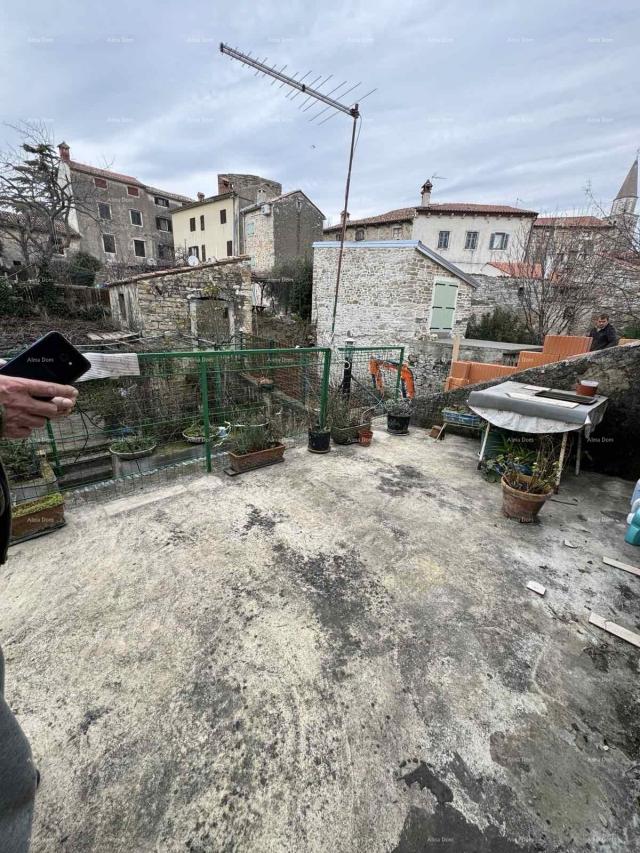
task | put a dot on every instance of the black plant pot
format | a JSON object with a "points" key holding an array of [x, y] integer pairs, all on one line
{"points": [[319, 441], [398, 424]]}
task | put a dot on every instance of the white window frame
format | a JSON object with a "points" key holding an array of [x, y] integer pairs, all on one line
{"points": [[447, 239], [115, 246], [468, 234], [144, 246], [159, 201], [166, 219], [104, 218], [504, 241], [135, 224]]}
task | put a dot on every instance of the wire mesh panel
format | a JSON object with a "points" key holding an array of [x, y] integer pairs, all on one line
{"points": [[184, 410], [372, 375]]}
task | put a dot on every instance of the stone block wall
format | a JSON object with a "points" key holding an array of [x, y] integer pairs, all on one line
{"points": [[159, 303], [430, 362], [259, 245], [385, 295], [614, 448]]}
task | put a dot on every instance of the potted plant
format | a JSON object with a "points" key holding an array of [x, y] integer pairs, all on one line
{"points": [[346, 419], [398, 416], [255, 444], [36, 516], [194, 434], [523, 495], [133, 447]]}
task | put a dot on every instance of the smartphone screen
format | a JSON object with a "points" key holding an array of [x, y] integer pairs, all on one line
{"points": [[50, 359]]}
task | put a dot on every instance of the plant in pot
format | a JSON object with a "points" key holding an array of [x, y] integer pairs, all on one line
{"points": [[255, 443], [133, 447], [194, 433], [524, 495], [398, 416], [319, 434], [346, 418]]}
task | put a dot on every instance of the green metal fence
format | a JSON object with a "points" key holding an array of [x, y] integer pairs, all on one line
{"points": [[372, 375], [180, 413]]}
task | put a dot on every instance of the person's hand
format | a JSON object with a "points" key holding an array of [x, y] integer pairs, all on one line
{"points": [[23, 413]]}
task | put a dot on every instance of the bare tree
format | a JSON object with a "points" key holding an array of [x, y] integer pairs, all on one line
{"points": [[560, 269], [36, 199]]}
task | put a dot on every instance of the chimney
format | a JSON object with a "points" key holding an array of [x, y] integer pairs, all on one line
{"points": [[224, 184], [261, 195], [426, 193], [200, 196], [64, 151], [344, 214]]}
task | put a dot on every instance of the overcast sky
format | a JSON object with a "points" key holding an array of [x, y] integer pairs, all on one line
{"points": [[509, 102]]}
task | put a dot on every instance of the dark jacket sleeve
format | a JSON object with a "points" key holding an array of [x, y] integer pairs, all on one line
{"points": [[612, 336], [5, 504]]}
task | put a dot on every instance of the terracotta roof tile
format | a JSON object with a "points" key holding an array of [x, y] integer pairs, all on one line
{"points": [[104, 173], [571, 222], [406, 214]]}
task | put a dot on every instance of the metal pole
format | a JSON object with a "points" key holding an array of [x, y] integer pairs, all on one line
{"points": [[324, 389], [344, 222], [398, 377], [204, 397], [347, 369]]}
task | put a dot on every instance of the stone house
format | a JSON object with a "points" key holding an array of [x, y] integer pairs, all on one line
{"points": [[121, 221], [211, 299], [468, 235], [12, 251], [395, 292], [213, 227], [280, 230]]}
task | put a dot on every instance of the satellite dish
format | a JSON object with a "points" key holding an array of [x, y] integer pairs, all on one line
{"points": [[192, 261]]}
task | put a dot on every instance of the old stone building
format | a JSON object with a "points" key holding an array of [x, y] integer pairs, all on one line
{"points": [[121, 221], [16, 254], [280, 230], [468, 235], [391, 292], [213, 227], [186, 300]]}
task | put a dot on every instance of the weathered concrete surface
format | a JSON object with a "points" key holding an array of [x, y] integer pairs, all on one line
{"points": [[334, 654]]}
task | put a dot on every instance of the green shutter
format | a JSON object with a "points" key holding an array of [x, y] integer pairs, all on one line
{"points": [[444, 305]]}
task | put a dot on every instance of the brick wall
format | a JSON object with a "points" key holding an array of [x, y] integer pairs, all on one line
{"points": [[385, 295], [615, 446]]}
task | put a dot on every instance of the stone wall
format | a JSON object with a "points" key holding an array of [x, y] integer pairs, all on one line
{"points": [[615, 446], [259, 244], [374, 231], [160, 303], [385, 295], [297, 224]]}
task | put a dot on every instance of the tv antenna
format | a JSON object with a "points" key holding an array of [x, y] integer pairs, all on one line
{"points": [[313, 96]]}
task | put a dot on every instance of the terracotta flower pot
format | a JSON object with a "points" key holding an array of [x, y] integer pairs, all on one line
{"points": [[39, 519], [524, 506], [588, 387], [364, 437], [241, 462]]}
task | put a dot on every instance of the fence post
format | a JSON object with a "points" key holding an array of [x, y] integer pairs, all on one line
{"points": [[57, 467], [348, 367], [204, 397], [324, 389], [399, 372]]}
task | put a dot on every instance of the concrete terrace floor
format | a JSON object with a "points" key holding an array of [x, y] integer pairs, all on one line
{"points": [[334, 654]]}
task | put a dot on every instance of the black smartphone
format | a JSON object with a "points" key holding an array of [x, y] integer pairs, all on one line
{"points": [[50, 359]]}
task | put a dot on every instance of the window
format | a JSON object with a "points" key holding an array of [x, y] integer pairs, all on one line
{"points": [[443, 239], [165, 253], [104, 210], [134, 191], [202, 222], [161, 202], [499, 240], [471, 240], [229, 248], [359, 233], [163, 224], [397, 232], [251, 229], [192, 224], [136, 218], [58, 248], [204, 252], [100, 183], [139, 249], [122, 305], [223, 216], [195, 251], [109, 243]]}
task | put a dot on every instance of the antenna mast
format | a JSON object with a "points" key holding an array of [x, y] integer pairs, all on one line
{"points": [[329, 103]]}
